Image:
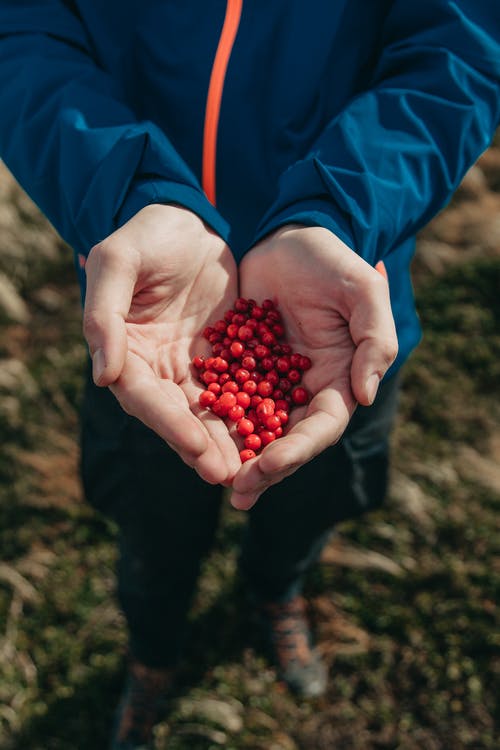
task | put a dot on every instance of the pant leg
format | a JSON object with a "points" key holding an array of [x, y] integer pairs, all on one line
{"points": [[293, 520], [166, 516]]}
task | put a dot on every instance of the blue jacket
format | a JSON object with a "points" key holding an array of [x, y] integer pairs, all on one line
{"points": [[360, 116]]}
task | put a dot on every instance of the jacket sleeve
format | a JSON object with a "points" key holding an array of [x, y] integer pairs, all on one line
{"points": [[68, 137], [392, 158]]}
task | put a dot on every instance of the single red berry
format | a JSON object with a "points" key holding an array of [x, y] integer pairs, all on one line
{"points": [[286, 349], [283, 415], [245, 427], [255, 401], [265, 409], [256, 376], [305, 363], [273, 316], [268, 339], [265, 388], [294, 376], [295, 360], [230, 387], [266, 437], [220, 326], [226, 354], [273, 422], [220, 365], [257, 312], [214, 388], [273, 377], [278, 330], [278, 432], [209, 377], [217, 349], [268, 304], [207, 332], [245, 333], [277, 394], [246, 454], [241, 305], [282, 405], [250, 387], [224, 378], [214, 338], [284, 385], [232, 330], [283, 365], [267, 364], [300, 396], [228, 316], [209, 363], [243, 399], [261, 351], [233, 367], [198, 362], [235, 413], [236, 348], [251, 323], [253, 442], [207, 398], [219, 410], [241, 375], [248, 363]]}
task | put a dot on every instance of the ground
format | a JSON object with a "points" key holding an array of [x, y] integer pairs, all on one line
{"points": [[403, 601]]}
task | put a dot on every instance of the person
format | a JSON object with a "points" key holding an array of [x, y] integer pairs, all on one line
{"points": [[193, 152]]}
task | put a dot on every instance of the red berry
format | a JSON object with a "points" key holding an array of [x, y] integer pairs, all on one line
{"points": [[246, 454], [284, 385], [268, 339], [300, 396], [253, 442], [207, 398], [266, 437], [230, 387], [209, 363], [236, 348], [241, 305], [220, 365], [261, 351], [207, 332], [198, 362], [224, 378], [273, 422], [282, 405], [228, 316], [273, 377], [252, 416], [217, 349], [245, 427], [214, 338], [286, 348], [233, 367], [214, 388], [267, 364], [278, 432], [295, 360], [265, 408], [250, 387], [243, 399], [248, 363], [220, 326], [255, 401], [235, 413], [283, 365], [277, 394], [278, 330], [264, 388], [227, 399], [257, 312], [232, 330], [282, 414], [245, 333], [225, 353], [241, 375], [305, 363], [294, 376], [268, 304], [209, 377]]}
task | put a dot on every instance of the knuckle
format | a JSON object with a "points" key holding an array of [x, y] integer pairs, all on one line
{"points": [[92, 324]]}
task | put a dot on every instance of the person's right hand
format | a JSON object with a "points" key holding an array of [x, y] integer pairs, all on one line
{"points": [[152, 286]]}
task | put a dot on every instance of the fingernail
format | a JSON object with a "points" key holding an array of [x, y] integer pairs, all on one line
{"points": [[372, 385], [98, 365]]}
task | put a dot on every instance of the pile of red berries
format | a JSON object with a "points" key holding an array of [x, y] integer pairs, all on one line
{"points": [[252, 378]]}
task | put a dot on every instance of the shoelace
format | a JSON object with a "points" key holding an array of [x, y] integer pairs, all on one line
{"points": [[290, 632]]}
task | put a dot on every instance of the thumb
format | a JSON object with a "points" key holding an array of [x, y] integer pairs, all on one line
{"points": [[110, 287]]}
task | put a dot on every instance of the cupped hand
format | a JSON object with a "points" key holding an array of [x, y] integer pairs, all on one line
{"points": [[152, 286], [336, 310]]}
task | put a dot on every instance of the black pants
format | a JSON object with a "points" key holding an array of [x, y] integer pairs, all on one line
{"points": [[167, 515]]}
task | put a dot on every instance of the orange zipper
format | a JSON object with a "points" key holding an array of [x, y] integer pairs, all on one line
{"points": [[214, 97]]}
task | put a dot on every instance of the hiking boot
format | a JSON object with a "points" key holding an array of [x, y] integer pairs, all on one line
{"points": [[141, 706], [289, 634]]}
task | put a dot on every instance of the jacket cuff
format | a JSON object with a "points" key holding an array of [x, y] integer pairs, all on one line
{"points": [[309, 213], [146, 192]]}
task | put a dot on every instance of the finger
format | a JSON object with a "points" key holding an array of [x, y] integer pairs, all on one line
{"points": [[110, 286], [374, 334], [323, 425], [162, 406]]}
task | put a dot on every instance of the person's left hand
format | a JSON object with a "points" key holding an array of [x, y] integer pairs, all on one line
{"points": [[336, 310]]}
